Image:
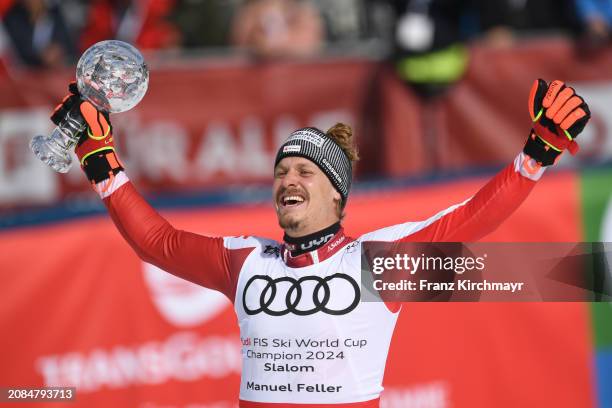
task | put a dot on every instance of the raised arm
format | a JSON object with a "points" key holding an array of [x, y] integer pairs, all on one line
{"points": [[486, 210], [207, 261], [558, 116], [203, 260]]}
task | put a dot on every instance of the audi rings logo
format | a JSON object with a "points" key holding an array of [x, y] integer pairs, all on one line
{"points": [[295, 291]]}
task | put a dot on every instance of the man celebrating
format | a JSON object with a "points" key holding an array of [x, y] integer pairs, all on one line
{"points": [[307, 339]]}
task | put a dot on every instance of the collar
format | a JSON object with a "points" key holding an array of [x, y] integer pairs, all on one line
{"points": [[310, 242], [337, 242]]}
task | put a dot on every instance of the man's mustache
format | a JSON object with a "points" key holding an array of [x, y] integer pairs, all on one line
{"points": [[292, 191]]}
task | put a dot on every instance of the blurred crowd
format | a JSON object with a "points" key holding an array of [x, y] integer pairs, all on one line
{"points": [[49, 33]]}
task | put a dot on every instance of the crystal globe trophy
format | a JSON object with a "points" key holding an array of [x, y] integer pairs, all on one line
{"points": [[113, 76]]}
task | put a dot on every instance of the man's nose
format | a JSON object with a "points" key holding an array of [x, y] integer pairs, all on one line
{"points": [[291, 178]]}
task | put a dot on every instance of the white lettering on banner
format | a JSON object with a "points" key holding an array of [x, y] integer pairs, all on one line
{"points": [[162, 151], [283, 127], [322, 121], [217, 152], [153, 150], [433, 395], [24, 178], [183, 356], [243, 155], [256, 156], [326, 119]]}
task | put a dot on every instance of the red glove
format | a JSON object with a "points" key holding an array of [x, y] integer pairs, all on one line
{"points": [[558, 116], [95, 149]]}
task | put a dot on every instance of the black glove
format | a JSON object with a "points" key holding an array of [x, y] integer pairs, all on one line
{"points": [[558, 116], [95, 148]]}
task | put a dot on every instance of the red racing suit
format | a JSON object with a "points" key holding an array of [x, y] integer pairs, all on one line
{"points": [[307, 339]]}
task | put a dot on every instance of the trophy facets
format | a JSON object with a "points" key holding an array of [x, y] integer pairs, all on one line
{"points": [[112, 75]]}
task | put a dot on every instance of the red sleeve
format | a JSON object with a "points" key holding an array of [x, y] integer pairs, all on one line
{"points": [[474, 218], [196, 258], [482, 214]]}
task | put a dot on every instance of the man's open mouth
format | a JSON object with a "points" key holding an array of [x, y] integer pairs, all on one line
{"points": [[293, 200]]}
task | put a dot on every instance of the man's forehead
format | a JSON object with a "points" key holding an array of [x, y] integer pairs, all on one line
{"points": [[295, 161]]}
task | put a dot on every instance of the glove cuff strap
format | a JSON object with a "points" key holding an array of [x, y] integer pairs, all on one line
{"points": [[101, 165], [540, 151]]}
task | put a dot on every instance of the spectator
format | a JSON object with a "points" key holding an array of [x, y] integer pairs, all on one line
{"points": [[278, 28], [502, 20], [429, 50], [430, 34], [596, 22], [38, 34], [344, 19], [205, 23], [139, 22]]}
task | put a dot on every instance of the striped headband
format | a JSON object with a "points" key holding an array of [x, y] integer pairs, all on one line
{"points": [[318, 147]]}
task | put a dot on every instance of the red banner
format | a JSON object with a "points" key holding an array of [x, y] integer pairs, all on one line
{"points": [[79, 308], [198, 126], [483, 119], [208, 125]]}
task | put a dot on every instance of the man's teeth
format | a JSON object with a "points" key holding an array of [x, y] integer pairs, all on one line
{"points": [[292, 200]]}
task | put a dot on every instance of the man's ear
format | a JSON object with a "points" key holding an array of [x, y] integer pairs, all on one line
{"points": [[338, 201]]}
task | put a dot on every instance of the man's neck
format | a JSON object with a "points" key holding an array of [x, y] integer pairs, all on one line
{"points": [[310, 242]]}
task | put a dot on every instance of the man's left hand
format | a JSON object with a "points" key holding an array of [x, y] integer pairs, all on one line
{"points": [[558, 116]]}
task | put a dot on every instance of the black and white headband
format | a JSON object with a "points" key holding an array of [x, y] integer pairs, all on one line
{"points": [[318, 147]]}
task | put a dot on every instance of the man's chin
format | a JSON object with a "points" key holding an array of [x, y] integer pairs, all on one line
{"points": [[289, 222]]}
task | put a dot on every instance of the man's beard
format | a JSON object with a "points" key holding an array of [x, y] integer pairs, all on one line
{"points": [[289, 223]]}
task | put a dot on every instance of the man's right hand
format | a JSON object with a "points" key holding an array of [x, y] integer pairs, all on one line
{"points": [[95, 149]]}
